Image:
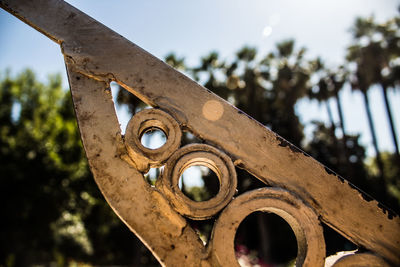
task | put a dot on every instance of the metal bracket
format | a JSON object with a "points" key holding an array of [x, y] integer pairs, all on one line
{"points": [[305, 192]]}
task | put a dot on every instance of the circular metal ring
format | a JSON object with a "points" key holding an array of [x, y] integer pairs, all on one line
{"points": [[301, 218], [205, 155], [360, 260], [142, 122]]}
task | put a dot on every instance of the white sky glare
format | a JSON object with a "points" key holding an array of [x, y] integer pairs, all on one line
{"points": [[194, 28]]}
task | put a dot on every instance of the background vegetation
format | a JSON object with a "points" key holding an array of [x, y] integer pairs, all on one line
{"points": [[53, 212]]}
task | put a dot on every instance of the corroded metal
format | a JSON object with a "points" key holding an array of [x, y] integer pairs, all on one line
{"points": [[142, 157], [95, 56], [198, 154], [360, 259], [301, 218]]}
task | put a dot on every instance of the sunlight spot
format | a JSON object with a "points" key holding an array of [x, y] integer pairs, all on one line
{"points": [[213, 110], [267, 31]]}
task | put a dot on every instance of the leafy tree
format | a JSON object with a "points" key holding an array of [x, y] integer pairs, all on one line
{"points": [[41, 163], [387, 191], [53, 210]]}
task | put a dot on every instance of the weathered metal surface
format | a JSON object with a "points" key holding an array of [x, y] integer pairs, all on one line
{"points": [[143, 208], [361, 259], [198, 154], [301, 218], [143, 157], [95, 55]]}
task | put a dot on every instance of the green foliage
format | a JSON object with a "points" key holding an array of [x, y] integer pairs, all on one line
{"points": [[53, 210], [197, 193], [42, 163], [389, 188], [344, 155], [172, 60]]}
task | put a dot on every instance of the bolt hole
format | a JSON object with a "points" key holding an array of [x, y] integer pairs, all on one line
{"points": [[153, 138], [199, 183], [265, 239]]}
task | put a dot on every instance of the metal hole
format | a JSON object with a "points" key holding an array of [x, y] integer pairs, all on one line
{"points": [[265, 239], [199, 183], [301, 219], [217, 164], [153, 138]]}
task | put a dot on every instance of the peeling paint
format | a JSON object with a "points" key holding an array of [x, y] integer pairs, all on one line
{"points": [[293, 148]]}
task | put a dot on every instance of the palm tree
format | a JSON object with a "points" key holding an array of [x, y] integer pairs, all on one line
{"points": [[379, 47], [289, 79], [337, 79], [329, 85], [361, 80], [389, 49], [320, 91], [365, 73]]}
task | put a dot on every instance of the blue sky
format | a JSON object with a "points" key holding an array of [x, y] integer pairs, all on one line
{"points": [[194, 28]]}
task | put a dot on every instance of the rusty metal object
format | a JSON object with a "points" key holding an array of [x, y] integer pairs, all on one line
{"points": [[95, 56], [198, 154], [301, 218], [142, 157], [360, 259]]}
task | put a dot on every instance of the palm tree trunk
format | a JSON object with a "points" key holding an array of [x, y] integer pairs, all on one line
{"points": [[343, 159], [390, 118], [328, 109], [340, 111], [340, 152], [373, 134]]}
